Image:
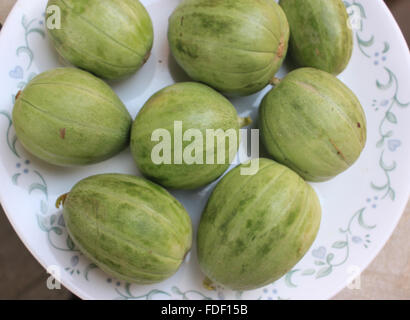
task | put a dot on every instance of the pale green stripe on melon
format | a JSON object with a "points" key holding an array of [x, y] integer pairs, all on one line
{"points": [[170, 204], [147, 200], [284, 253], [104, 32], [109, 236], [272, 193], [231, 211], [83, 90], [278, 255], [335, 107], [87, 47], [145, 209], [110, 38], [81, 78], [81, 144], [268, 137], [334, 90], [268, 254], [220, 200], [260, 66], [320, 36], [88, 57], [252, 266], [111, 265], [67, 121], [84, 82], [236, 24], [120, 235], [139, 266], [248, 200], [261, 12], [228, 28], [198, 107], [201, 53], [325, 116], [141, 18], [320, 159], [77, 107]]}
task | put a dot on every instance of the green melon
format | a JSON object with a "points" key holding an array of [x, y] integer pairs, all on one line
{"points": [[110, 38], [69, 117], [255, 228], [235, 46], [313, 123], [320, 34], [130, 227], [198, 108]]}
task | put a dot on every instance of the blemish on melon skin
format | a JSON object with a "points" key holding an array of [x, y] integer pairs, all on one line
{"points": [[62, 133], [358, 125], [18, 94], [281, 48]]}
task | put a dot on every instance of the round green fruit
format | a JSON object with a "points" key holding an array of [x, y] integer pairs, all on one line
{"points": [[171, 138], [130, 227], [69, 117], [313, 123], [255, 228], [235, 46], [320, 34], [110, 38]]}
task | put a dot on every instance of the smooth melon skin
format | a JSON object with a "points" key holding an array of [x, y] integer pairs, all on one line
{"points": [[313, 123], [130, 227], [196, 106], [110, 38], [255, 228], [68, 117], [320, 35], [235, 46]]}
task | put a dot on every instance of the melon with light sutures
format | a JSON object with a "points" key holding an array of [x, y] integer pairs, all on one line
{"points": [[235, 46], [255, 228], [110, 38], [129, 227], [69, 117], [320, 34], [313, 123], [186, 136]]}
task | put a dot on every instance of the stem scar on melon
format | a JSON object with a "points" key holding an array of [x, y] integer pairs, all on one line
{"points": [[208, 284], [61, 200], [275, 81]]}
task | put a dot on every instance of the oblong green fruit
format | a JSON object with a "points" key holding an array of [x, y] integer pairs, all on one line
{"points": [[68, 117], [313, 123], [235, 46], [196, 109], [110, 38], [320, 35], [130, 227], [255, 228]]}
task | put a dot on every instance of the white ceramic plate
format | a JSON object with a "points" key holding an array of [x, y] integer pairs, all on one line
{"points": [[361, 207]]}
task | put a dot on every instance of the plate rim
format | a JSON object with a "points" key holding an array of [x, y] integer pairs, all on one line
{"points": [[70, 285]]}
